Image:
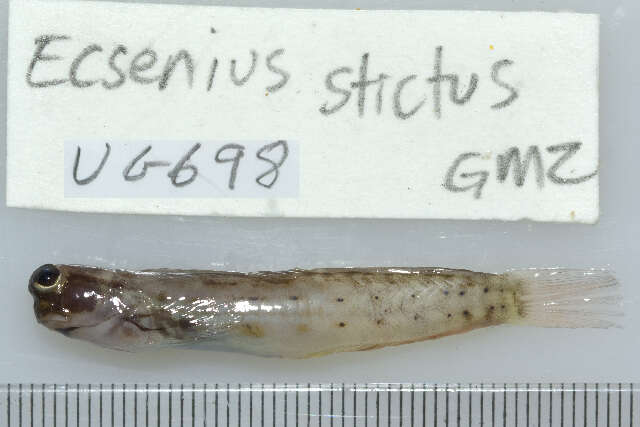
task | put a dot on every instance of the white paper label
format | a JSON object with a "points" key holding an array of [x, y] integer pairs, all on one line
{"points": [[142, 169], [388, 114]]}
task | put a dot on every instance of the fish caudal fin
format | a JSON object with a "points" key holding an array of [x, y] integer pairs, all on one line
{"points": [[560, 298]]}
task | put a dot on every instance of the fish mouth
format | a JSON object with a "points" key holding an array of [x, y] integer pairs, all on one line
{"points": [[64, 324], [53, 320], [68, 330]]}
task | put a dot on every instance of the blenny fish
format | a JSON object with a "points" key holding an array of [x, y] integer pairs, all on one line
{"points": [[306, 313]]}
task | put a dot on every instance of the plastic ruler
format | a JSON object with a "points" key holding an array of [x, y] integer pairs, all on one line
{"points": [[330, 405]]}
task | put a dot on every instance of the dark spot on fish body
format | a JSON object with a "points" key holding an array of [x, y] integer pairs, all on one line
{"points": [[503, 306], [379, 321], [446, 292], [449, 315], [185, 323], [342, 324], [162, 296], [416, 317], [489, 315], [340, 299], [515, 299], [467, 314], [293, 298], [486, 290], [461, 293], [251, 330], [118, 284], [413, 295], [376, 297]]}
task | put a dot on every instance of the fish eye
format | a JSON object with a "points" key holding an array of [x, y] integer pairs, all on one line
{"points": [[45, 277]]}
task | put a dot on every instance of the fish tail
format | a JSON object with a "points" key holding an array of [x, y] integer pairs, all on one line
{"points": [[561, 298]]}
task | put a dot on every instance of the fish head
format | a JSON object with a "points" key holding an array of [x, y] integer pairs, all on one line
{"points": [[77, 301], [106, 307]]}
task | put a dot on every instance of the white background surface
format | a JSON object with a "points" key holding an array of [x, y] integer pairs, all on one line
{"points": [[29, 238]]}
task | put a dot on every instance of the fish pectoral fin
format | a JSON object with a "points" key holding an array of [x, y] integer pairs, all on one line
{"points": [[138, 324]]}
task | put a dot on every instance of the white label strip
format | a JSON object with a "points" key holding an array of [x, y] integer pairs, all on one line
{"points": [[317, 405], [141, 169], [394, 114]]}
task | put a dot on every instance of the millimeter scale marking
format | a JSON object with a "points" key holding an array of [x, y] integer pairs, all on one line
{"points": [[427, 405]]}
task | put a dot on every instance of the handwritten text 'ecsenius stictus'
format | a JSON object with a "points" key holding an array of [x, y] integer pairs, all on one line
{"points": [[348, 87]]}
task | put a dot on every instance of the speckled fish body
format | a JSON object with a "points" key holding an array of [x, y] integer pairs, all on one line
{"points": [[290, 314]]}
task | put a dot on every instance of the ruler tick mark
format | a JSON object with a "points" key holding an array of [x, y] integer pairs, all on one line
{"points": [[585, 405], [561, 405], [435, 405], [527, 405], [19, 405], [8, 404], [366, 405], [515, 406], [550, 405], [400, 411], [89, 405], [597, 402], [355, 401], [31, 406], [573, 405], [146, 405], [308, 404], [481, 406], [342, 404], [446, 405], [424, 405], [227, 396], [619, 404], [331, 405], [319, 407], [493, 405], [504, 406], [470, 403]]}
